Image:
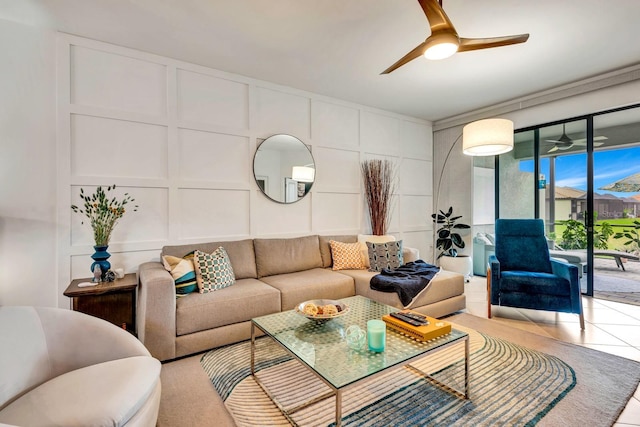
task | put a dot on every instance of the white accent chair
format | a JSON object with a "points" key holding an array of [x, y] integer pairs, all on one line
{"points": [[65, 368]]}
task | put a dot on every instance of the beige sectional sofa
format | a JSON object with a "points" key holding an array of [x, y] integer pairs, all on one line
{"points": [[272, 275]]}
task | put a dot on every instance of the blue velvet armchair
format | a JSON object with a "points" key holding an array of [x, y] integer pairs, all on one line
{"points": [[522, 274]]}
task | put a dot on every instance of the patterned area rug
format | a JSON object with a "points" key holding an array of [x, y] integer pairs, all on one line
{"points": [[509, 385]]}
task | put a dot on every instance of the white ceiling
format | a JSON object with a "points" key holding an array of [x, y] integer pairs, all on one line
{"points": [[338, 47]]}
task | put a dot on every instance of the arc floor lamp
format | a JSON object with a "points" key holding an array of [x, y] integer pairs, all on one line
{"points": [[487, 137]]}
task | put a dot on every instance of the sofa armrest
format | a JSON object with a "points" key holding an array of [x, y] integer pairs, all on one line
{"points": [[156, 317], [410, 254]]}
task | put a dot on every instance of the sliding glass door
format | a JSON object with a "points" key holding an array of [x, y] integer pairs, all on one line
{"points": [[616, 170]]}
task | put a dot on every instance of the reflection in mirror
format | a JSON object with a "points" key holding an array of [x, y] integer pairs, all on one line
{"points": [[284, 168]]}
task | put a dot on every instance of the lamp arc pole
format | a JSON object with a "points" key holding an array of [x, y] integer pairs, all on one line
{"points": [[444, 166]]}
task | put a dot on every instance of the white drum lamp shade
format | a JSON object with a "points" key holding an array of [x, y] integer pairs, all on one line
{"points": [[303, 173], [488, 137]]}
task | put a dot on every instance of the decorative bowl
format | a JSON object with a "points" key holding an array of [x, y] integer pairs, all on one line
{"points": [[320, 304]]}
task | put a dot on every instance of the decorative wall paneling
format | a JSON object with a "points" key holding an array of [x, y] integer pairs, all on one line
{"points": [[180, 138]]}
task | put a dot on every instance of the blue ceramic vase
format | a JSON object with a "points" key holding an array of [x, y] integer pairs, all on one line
{"points": [[100, 258]]}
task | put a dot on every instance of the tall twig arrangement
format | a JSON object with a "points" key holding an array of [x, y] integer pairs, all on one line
{"points": [[379, 186]]}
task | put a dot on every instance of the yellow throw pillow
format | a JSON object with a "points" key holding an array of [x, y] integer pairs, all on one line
{"points": [[346, 256]]}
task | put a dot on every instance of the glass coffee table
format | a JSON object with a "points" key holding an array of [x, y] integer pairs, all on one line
{"points": [[322, 348]]}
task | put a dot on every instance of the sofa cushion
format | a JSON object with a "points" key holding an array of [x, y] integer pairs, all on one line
{"points": [[106, 394], [213, 271], [247, 298], [346, 256], [281, 256], [183, 273], [325, 249], [385, 255], [316, 283], [241, 255], [445, 285]]}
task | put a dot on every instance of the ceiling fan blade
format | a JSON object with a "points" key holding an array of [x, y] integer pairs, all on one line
{"points": [[552, 150], [475, 44], [438, 20], [583, 143], [595, 138], [416, 52]]}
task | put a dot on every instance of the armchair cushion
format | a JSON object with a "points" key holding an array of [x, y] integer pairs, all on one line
{"points": [[108, 393], [534, 283], [517, 240]]}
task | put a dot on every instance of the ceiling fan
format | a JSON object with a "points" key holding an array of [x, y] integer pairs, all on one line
{"points": [[564, 142], [444, 40]]}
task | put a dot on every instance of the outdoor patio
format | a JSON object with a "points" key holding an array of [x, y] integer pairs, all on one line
{"points": [[612, 283]]}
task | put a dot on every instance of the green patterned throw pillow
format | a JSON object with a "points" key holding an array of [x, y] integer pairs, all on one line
{"points": [[183, 273], [213, 271], [385, 255]]}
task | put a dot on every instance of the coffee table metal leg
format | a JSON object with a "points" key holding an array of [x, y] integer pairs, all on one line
{"points": [[466, 367], [288, 412], [459, 393], [253, 348]]}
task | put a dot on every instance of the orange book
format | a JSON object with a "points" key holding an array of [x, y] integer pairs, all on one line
{"points": [[434, 329]]}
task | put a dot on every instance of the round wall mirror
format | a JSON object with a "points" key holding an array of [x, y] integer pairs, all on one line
{"points": [[284, 168]]}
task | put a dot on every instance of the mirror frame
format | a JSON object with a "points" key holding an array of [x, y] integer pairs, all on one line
{"points": [[261, 187]]}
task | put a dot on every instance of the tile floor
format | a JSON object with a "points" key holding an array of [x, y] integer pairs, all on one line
{"points": [[611, 327]]}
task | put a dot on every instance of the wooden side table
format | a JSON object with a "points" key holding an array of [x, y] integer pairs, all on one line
{"points": [[112, 301]]}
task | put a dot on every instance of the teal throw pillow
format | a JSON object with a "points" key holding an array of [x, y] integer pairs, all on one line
{"points": [[183, 273]]}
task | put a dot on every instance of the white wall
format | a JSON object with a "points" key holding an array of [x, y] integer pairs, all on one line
{"points": [[28, 259], [180, 138]]}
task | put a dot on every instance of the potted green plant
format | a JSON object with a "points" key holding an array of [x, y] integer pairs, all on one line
{"points": [[449, 241]]}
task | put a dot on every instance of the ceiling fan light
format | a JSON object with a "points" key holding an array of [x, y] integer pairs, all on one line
{"points": [[489, 137], [441, 46]]}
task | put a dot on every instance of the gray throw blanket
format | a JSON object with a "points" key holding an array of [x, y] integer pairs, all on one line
{"points": [[408, 280]]}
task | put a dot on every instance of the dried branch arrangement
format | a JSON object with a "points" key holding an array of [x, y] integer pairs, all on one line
{"points": [[103, 213], [379, 186]]}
